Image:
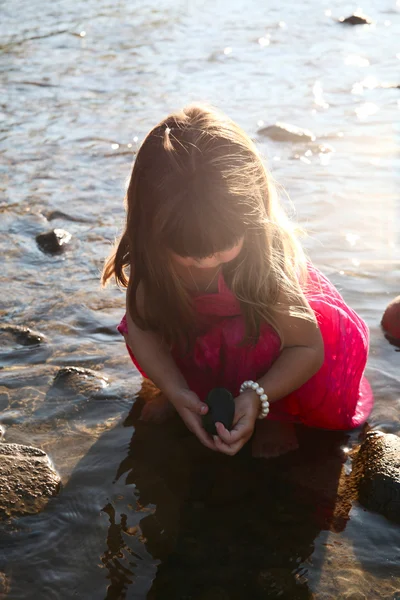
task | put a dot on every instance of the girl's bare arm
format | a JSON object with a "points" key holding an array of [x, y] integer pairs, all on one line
{"points": [[301, 357], [155, 359]]}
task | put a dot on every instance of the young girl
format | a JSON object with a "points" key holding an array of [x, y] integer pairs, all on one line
{"points": [[219, 293]]}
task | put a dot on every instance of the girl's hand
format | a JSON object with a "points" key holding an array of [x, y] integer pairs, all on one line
{"points": [[247, 408], [191, 409]]}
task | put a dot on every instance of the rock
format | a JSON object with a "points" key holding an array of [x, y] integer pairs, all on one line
{"points": [[77, 380], [356, 19], [59, 214], [54, 241], [10, 417], [22, 335], [283, 132], [376, 469], [391, 321], [221, 410], [27, 480]]}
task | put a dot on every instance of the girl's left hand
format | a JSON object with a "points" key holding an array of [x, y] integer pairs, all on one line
{"points": [[247, 408]]}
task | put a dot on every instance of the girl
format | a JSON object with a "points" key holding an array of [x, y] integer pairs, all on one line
{"points": [[219, 293]]}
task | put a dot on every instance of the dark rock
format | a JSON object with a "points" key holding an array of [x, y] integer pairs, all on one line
{"points": [[58, 214], [283, 132], [391, 321], [356, 19], [54, 241], [376, 469], [77, 380], [221, 410], [22, 335], [27, 480]]}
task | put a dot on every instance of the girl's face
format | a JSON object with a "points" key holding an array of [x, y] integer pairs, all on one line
{"points": [[212, 261]]}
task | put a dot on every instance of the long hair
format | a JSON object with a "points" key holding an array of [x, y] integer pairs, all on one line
{"points": [[198, 185]]}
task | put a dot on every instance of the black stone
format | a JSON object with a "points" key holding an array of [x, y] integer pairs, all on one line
{"points": [[356, 20], [58, 214], [221, 410], [54, 241]]}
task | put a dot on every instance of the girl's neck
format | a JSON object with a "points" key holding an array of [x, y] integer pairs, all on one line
{"points": [[199, 279]]}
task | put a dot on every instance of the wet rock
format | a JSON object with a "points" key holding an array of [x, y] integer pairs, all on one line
{"points": [[356, 19], [22, 335], [391, 321], [22, 344], [27, 480], [283, 132], [54, 241], [376, 469], [77, 380], [59, 214], [11, 417]]}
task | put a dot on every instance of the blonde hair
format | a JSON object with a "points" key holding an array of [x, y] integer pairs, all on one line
{"points": [[198, 185]]}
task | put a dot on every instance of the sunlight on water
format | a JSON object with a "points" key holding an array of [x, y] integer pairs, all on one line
{"points": [[141, 515], [366, 110], [318, 95], [356, 61]]}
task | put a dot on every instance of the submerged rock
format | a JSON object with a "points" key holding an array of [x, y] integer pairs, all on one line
{"points": [[391, 321], [59, 214], [27, 480], [283, 132], [376, 469], [356, 19], [22, 335], [54, 241]]}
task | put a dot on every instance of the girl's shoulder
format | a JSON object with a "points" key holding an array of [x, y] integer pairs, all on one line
{"points": [[139, 299]]}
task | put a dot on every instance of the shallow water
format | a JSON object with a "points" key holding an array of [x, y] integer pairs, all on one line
{"points": [[142, 513]]}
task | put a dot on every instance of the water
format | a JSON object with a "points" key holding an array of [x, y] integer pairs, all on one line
{"points": [[142, 512]]}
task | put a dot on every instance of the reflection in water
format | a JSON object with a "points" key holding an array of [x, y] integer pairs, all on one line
{"points": [[120, 576], [172, 520], [223, 527]]}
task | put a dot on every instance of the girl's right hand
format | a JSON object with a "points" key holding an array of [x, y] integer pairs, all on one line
{"points": [[191, 410]]}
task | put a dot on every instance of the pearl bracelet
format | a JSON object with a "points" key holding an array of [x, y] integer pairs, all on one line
{"points": [[253, 385]]}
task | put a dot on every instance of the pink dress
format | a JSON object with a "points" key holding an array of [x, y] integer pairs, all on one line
{"points": [[337, 397]]}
